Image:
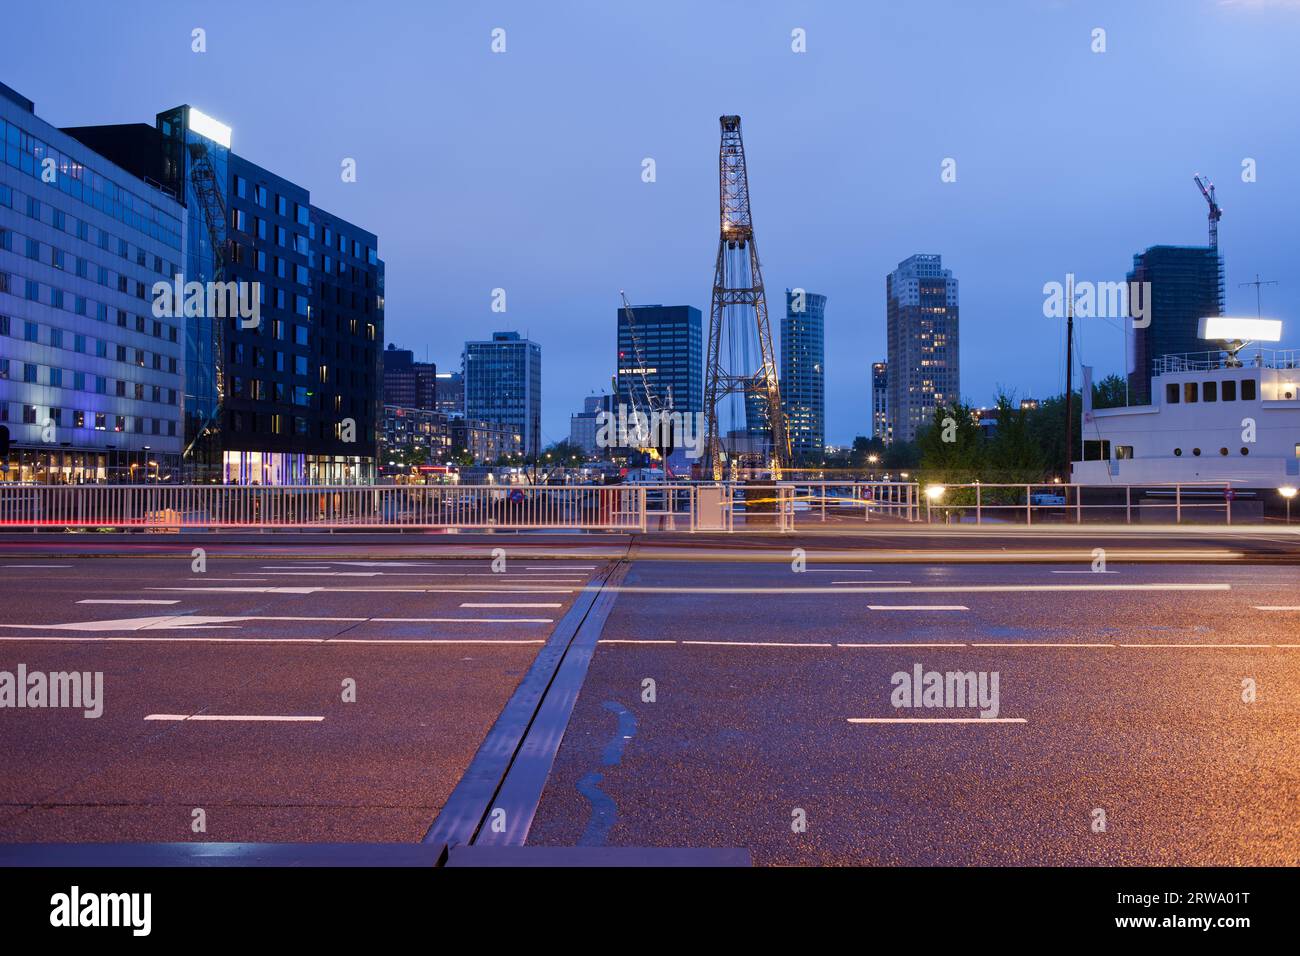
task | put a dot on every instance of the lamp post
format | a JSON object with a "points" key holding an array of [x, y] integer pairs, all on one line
{"points": [[932, 495], [1287, 492]]}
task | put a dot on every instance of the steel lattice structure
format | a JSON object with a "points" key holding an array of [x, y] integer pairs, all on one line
{"points": [[738, 289]]}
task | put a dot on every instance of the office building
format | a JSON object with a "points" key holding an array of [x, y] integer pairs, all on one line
{"points": [[450, 394], [291, 394], [1186, 284], [880, 402], [669, 341], [503, 384], [408, 383], [411, 437], [802, 375], [924, 369], [486, 442], [585, 426], [90, 379]]}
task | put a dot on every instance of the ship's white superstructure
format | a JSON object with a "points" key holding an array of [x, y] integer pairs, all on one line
{"points": [[1211, 418]]}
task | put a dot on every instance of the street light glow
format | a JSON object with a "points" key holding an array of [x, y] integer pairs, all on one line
{"points": [[934, 492]]}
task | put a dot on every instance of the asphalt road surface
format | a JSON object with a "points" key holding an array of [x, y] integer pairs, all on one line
{"points": [[1149, 714], [434, 648]]}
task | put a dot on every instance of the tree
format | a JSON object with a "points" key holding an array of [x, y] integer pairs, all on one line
{"points": [[1013, 455], [952, 447]]}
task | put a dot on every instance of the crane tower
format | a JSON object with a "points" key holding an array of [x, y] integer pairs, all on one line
{"points": [[738, 301]]}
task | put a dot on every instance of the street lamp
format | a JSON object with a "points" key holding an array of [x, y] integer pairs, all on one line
{"points": [[932, 495], [1287, 492]]}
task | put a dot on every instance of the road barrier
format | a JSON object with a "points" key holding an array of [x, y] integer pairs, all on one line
{"points": [[324, 508], [671, 506]]}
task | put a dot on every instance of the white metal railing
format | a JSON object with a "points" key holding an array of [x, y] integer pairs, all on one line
{"points": [[1029, 504], [179, 507], [671, 506]]}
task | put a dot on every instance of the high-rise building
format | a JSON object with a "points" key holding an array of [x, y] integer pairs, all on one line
{"points": [[408, 383], [292, 395], [803, 375], [503, 383], [924, 367], [90, 379], [450, 398], [1186, 284], [880, 402], [584, 426], [670, 343]]}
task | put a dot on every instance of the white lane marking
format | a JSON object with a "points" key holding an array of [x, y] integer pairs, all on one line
{"points": [[325, 590], [756, 644], [43, 639], [842, 570], [560, 567], [174, 622], [1277, 607], [1089, 571], [873, 582], [915, 589], [36, 565], [901, 644], [1197, 645], [621, 640], [478, 604], [245, 579], [1039, 644], [115, 601], [462, 620], [917, 607], [295, 567], [324, 574], [259, 717], [937, 720]]}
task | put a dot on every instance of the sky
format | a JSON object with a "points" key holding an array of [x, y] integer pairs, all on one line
{"points": [[522, 170]]}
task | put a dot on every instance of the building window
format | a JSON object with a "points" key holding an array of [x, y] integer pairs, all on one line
{"points": [[1210, 391], [1230, 390], [1248, 390]]}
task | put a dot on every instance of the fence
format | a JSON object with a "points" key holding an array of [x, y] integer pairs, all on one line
{"points": [[673, 506], [1178, 503], [182, 507]]}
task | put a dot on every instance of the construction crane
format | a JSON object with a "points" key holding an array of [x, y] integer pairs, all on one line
{"points": [[1207, 190], [658, 442], [738, 294]]}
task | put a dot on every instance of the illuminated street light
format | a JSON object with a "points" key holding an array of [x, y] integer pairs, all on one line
{"points": [[932, 495], [1287, 492]]}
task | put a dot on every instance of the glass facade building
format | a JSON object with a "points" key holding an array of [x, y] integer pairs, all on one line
{"points": [[90, 379], [503, 384], [293, 394], [803, 373], [670, 341], [1186, 284], [924, 366]]}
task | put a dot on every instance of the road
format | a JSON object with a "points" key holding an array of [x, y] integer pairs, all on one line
{"points": [[434, 650], [1122, 735]]}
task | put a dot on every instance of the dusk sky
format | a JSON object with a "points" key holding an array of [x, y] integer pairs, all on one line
{"points": [[522, 170]]}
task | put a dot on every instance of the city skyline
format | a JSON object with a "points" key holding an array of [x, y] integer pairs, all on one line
{"points": [[1062, 190]]}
